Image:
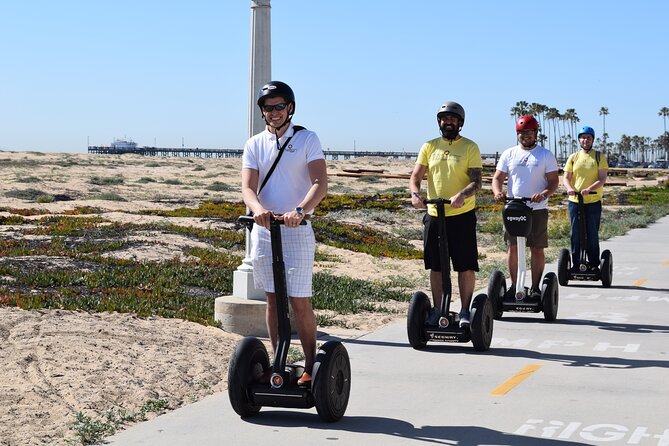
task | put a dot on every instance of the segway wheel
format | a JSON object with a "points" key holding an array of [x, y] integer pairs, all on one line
{"points": [[496, 292], [549, 296], [606, 268], [563, 266], [332, 381], [419, 307], [248, 363], [482, 322]]}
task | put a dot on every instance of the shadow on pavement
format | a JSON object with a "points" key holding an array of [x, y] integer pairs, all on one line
{"points": [[580, 361], [449, 435], [611, 326], [593, 286]]}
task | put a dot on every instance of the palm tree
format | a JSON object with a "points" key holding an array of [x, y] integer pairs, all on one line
{"points": [[664, 112], [603, 111], [553, 114], [538, 110], [520, 109]]}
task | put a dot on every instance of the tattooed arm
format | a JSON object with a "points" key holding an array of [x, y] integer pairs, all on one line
{"points": [[458, 200]]}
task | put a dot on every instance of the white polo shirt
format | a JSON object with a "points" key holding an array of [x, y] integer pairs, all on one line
{"points": [[290, 181]]}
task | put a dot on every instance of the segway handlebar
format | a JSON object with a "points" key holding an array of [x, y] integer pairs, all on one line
{"points": [[517, 198], [244, 219], [579, 193], [437, 201]]}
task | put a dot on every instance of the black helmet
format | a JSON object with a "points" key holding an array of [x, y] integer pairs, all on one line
{"points": [[452, 107], [276, 88]]}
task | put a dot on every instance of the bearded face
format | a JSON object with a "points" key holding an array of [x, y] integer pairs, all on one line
{"points": [[449, 125]]}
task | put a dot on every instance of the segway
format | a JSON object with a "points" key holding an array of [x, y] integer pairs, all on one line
{"points": [[447, 329], [517, 218], [581, 272], [331, 378]]}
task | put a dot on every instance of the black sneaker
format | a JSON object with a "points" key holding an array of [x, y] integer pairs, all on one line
{"points": [[510, 293], [433, 317], [535, 293], [594, 269], [464, 318]]}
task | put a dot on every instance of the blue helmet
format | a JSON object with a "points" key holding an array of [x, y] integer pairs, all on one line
{"points": [[587, 130]]}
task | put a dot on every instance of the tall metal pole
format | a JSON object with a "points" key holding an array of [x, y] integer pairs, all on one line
{"points": [[259, 74]]}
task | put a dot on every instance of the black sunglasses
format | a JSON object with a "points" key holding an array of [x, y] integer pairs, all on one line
{"points": [[277, 107]]}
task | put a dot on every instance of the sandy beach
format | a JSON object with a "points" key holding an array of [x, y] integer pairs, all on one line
{"points": [[56, 363]]}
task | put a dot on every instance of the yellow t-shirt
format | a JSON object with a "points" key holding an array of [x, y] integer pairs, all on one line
{"points": [[448, 170], [585, 171]]}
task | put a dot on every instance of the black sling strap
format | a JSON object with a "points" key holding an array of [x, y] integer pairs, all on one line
{"points": [[296, 128]]}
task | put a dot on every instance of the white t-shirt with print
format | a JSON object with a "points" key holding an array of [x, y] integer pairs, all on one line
{"points": [[526, 171]]}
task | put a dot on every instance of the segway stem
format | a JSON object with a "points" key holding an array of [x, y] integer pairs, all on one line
{"points": [[583, 232], [522, 269], [444, 262], [281, 291]]}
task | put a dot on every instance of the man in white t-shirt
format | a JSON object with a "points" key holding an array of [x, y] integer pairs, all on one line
{"points": [[532, 172], [298, 183]]}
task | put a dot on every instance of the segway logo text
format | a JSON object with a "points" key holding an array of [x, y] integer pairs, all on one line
{"points": [[518, 218]]}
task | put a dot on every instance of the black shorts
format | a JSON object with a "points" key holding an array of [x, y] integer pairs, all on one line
{"points": [[461, 237]]}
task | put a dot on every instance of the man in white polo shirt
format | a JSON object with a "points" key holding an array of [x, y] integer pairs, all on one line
{"points": [[295, 187], [532, 171]]}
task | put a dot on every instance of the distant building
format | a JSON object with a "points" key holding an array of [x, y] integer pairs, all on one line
{"points": [[124, 144]]}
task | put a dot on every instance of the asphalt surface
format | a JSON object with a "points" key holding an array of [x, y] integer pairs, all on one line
{"points": [[597, 375]]}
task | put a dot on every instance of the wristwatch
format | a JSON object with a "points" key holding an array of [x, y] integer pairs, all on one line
{"points": [[300, 211]]}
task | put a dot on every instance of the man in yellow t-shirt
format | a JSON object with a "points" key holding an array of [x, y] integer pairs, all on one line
{"points": [[453, 166], [585, 174]]}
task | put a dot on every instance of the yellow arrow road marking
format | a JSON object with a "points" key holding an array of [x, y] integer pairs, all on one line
{"points": [[640, 282], [516, 379]]}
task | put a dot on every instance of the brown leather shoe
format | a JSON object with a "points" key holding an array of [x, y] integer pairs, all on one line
{"points": [[305, 380]]}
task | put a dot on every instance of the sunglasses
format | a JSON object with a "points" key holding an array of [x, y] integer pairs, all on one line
{"points": [[277, 107]]}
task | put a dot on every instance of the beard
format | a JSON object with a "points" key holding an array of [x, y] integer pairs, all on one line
{"points": [[449, 132]]}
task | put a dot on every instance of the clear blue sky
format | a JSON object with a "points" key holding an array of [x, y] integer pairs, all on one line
{"points": [[370, 72]]}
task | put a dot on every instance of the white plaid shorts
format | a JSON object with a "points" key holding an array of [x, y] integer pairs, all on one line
{"points": [[299, 246]]}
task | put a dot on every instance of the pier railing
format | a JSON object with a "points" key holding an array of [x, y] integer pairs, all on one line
{"points": [[237, 153]]}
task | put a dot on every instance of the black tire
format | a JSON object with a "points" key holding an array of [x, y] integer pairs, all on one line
{"points": [[248, 363], [496, 292], [332, 381], [419, 308], [550, 296], [482, 323], [606, 268], [563, 267]]}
